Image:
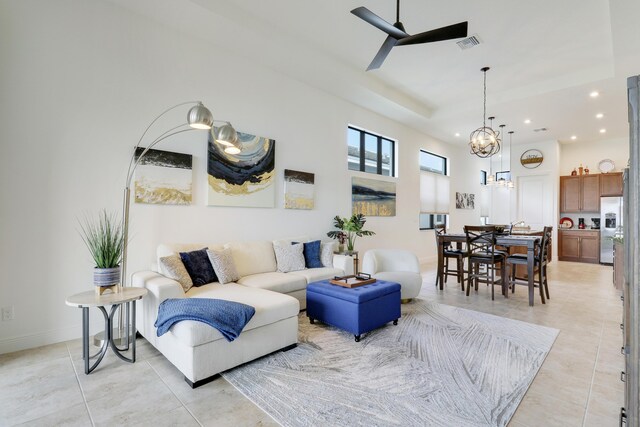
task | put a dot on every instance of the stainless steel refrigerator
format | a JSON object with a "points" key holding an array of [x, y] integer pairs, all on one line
{"points": [[610, 226]]}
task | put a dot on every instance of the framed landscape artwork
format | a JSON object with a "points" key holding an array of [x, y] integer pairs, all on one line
{"points": [[245, 179], [465, 201], [163, 177], [372, 197], [299, 189]]}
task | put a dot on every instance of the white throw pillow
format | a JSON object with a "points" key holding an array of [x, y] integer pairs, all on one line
{"points": [[223, 265], [326, 253], [173, 267], [289, 257]]}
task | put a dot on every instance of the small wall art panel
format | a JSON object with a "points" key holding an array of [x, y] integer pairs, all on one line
{"points": [[245, 179], [372, 197], [299, 189], [465, 201], [163, 177]]}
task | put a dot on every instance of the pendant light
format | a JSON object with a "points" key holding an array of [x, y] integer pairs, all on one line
{"points": [[510, 183], [501, 182], [484, 142]]}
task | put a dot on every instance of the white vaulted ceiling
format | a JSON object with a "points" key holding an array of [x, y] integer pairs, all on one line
{"points": [[545, 58]]}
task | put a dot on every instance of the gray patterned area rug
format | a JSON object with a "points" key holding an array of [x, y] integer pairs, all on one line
{"points": [[440, 366]]}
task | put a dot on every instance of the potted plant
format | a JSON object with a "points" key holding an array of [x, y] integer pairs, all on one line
{"points": [[104, 237], [349, 228]]}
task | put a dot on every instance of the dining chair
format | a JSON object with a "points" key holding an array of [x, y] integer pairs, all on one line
{"points": [[481, 250], [541, 259], [450, 253]]}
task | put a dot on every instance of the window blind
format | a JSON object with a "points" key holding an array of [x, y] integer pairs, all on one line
{"points": [[434, 193]]}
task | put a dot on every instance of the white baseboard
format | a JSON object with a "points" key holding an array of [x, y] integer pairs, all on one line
{"points": [[53, 336]]}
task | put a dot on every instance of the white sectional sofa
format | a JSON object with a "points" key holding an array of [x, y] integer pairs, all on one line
{"points": [[199, 351]]}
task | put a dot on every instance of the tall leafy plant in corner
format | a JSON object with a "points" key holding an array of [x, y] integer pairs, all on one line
{"points": [[103, 237], [351, 227]]}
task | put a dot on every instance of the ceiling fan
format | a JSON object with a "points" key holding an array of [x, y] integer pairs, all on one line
{"points": [[397, 36]]}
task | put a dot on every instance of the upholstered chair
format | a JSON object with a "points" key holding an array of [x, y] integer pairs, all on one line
{"points": [[395, 265]]}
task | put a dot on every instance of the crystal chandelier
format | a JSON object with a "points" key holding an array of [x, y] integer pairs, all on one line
{"points": [[484, 142]]}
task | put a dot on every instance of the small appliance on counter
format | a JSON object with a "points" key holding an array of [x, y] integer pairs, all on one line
{"points": [[581, 225], [595, 223]]}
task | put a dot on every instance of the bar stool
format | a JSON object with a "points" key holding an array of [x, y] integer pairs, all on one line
{"points": [[540, 266], [481, 247], [449, 253]]}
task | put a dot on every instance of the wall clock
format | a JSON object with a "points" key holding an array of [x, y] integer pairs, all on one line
{"points": [[531, 159]]}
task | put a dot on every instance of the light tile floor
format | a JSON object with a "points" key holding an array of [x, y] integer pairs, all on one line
{"points": [[578, 385]]}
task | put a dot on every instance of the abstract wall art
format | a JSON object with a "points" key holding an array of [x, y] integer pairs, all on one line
{"points": [[371, 197], [465, 201], [299, 189], [163, 177], [245, 179]]}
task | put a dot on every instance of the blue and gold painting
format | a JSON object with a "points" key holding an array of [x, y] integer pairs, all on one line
{"points": [[372, 197], [298, 189], [163, 177], [245, 179]]}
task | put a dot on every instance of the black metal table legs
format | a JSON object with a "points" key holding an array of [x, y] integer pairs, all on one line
{"points": [[108, 334]]}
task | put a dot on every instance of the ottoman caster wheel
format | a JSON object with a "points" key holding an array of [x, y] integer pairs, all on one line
{"points": [[312, 321], [395, 322], [357, 337]]}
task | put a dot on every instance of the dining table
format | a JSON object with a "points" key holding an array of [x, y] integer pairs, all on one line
{"points": [[529, 242]]}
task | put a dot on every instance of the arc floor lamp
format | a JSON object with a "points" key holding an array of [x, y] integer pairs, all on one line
{"points": [[198, 117]]}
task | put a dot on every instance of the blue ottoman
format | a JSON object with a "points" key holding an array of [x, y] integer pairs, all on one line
{"points": [[357, 310]]}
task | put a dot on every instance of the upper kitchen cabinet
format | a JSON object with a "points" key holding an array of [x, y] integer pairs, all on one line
{"points": [[611, 184], [580, 193]]}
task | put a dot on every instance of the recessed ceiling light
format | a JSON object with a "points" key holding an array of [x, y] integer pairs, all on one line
{"points": [[457, 134], [573, 137], [599, 116], [594, 94], [603, 130], [527, 121]]}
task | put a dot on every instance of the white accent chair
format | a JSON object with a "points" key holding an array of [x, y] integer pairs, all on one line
{"points": [[395, 265]]}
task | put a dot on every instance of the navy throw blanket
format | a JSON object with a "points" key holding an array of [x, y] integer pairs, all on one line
{"points": [[228, 317]]}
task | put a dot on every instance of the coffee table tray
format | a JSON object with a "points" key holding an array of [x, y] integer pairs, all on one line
{"points": [[353, 281]]}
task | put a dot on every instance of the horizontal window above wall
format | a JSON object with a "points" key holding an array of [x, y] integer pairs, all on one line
{"points": [[371, 153]]}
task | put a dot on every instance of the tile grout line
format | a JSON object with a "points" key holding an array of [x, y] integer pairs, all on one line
{"points": [[172, 392], [84, 398], [593, 376]]}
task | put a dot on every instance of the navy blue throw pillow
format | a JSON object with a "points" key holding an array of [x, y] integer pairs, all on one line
{"points": [[199, 267], [311, 253]]}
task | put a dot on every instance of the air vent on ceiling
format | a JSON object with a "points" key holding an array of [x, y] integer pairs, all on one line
{"points": [[469, 42], [541, 130]]}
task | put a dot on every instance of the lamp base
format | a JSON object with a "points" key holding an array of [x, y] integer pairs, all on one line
{"points": [[119, 337]]}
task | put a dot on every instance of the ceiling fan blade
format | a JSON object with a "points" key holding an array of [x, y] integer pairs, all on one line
{"points": [[386, 47], [454, 31], [373, 19]]}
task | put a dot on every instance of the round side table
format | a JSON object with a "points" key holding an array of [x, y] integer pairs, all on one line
{"points": [[84, 300]]}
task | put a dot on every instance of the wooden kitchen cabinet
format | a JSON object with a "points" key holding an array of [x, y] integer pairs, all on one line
{"points": [[579, 246], [611, 184], [580, 193]]}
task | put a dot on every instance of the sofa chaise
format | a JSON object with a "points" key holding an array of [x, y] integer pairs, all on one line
{"points": [[199, 351]]}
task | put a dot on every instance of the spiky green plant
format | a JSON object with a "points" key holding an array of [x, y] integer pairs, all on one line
{"points": [[351, 227], [103, 237]]}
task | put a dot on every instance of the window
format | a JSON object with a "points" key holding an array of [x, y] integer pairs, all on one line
{"points": [[483, 177], [434, 190], [371, 153], [506, 175]]}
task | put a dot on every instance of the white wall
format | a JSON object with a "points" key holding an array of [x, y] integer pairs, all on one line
{"points": [[591, 153], [505, 206], [80, 80]]}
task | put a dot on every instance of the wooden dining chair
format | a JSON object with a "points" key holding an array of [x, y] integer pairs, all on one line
{"points": [[541, 259], [450, 253], [481, 250]]}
